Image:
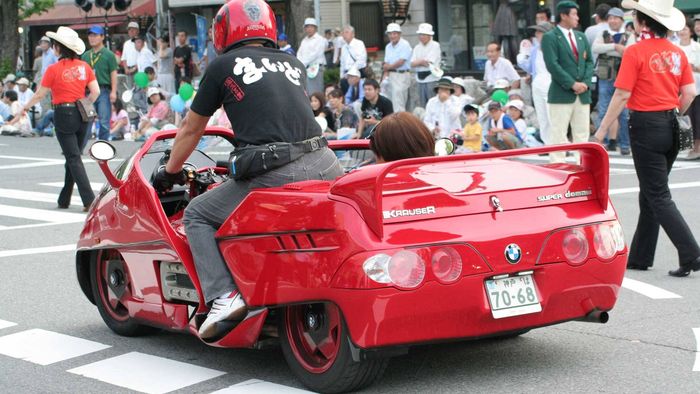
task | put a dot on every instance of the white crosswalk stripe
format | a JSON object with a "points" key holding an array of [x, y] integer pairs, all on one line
{"points": [[5, 324], [46, 347], [651, 291], [255, 386], [146, 373]]}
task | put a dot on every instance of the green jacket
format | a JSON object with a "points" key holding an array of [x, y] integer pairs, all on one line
{"points": [[564, 68]]}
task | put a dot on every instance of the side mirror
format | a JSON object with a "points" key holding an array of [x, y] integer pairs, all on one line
{"points": [[102, 151], [444, 147]]}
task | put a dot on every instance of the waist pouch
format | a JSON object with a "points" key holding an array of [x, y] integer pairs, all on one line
{"points": [[254, 160], [86, 109], [422, 74]]}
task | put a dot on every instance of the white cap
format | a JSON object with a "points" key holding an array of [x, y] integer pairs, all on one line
{"points": [[393, 28], [151, 91], [44, 38], [459, 81], [9, 78], [518, 104], [353, 71], [501, 84], [310, 21], [132, 25], [23, 81], [425, 28]]}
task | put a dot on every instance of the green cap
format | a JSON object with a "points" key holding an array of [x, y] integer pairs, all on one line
{"points": [[563, 6]]}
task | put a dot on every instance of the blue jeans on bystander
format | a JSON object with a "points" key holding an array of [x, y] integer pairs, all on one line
{"points": [[606, 88]]}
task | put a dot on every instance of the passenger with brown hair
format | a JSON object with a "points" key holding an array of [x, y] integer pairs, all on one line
{"points": [[401, 136]]}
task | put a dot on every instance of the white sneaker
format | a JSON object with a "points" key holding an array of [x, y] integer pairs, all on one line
{"points": [[228, 307]]}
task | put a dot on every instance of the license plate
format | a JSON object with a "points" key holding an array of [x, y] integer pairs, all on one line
{"points": [[512, 296]]}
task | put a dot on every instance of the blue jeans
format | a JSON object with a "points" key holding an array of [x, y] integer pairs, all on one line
{"points": [[44, 123], [606, 88], [206, 213], [104, 113]]}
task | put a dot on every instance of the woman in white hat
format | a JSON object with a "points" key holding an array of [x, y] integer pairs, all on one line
{"points": [[67, 80], [653, 75], [158, 115]]}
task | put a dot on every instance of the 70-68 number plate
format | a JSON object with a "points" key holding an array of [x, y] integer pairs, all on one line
{"points": [[512, 296]]}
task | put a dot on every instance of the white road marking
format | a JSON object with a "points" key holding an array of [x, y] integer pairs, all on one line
{"points": [[46, 347], [255, 386], [696, 367], [41, 215], [96, 186], [24, 226], [27, 158], [653, 292], [35, 196], [683, 185], [48, 249], [146, 373], [5, 324]]}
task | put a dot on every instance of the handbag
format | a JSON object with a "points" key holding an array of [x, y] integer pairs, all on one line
{"points": [[685, 132], [86, 109]]}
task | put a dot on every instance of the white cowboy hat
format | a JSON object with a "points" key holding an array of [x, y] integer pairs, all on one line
{"points": [[425, 28], [661, 11], [393, 28], [69, 38]]}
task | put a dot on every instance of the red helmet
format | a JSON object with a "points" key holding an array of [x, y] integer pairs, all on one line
{"points": [[239, 21]]}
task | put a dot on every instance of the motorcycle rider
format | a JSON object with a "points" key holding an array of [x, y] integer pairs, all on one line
{"points": [[263, 91]]}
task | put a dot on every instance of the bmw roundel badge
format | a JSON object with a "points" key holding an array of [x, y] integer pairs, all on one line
{"points": [[513, 253]]}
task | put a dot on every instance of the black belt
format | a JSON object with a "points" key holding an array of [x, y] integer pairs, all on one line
{"points": [[399, 71], [668, 111], [64, 105], [312, 144]]}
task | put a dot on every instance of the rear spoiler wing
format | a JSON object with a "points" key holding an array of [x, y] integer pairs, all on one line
{"points": [[364, 188]]}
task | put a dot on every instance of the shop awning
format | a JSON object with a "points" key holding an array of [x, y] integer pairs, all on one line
{"points": [[85, 26], [194, 3], [69, 14], [688, 5]]}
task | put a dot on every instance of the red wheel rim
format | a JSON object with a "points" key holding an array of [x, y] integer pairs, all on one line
{"points": [[314, 333], [114, 305]]}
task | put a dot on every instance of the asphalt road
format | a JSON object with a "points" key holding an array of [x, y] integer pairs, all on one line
{"points": [[649, 344]]}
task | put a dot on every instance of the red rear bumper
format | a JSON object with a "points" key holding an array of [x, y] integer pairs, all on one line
{"points": [[437, 312]]}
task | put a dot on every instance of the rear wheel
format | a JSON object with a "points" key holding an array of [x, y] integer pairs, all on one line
{"points": [[316, 346], [111, 288]]}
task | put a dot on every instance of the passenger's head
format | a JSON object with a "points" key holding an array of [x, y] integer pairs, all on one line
{"points": [[401, 136]]}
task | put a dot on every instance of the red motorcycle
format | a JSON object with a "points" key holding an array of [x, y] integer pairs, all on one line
{"points": [[345, 274]]}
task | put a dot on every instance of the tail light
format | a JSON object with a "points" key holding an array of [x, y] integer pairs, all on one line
{"points": [[576, 245], [447, 265], [408, 268]]}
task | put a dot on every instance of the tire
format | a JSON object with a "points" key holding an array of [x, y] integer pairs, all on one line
{"points": [[110, 306], [332, 370]]}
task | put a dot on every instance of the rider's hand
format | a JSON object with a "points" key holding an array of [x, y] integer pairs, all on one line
{"points": [[164, 181]]}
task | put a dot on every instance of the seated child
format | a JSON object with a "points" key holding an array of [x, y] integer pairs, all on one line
{"points": [[501, 133], [472, 132]]}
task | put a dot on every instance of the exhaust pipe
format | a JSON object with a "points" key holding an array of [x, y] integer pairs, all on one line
{"points": [[596, 316]]}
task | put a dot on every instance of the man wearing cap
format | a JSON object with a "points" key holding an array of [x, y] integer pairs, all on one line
{"points": [[356, 89], [397, 59], [426, 53], [600, 17], [284, 44], [104, 64], [352, 53], [541, 79], [48, 57], [609, 46], [9, 82], [129, 53], [24, 94], [568, 58], [312, 54], [442, 111]]}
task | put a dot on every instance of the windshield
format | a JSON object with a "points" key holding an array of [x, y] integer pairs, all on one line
{"points": [[214, 146]]}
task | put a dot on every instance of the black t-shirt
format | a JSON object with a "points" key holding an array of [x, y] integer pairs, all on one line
{"points": [[379, 110], [263, 91], [185, 52]]}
